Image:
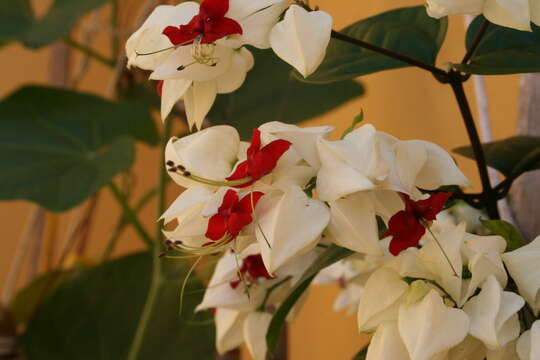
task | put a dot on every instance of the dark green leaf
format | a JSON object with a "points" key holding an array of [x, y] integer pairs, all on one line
{"points": [[408, 31], [15, 19], [512, 156], [361, 355], [59, 147], [94, 316], [27, 300], [330, 256], [58, 21], [271, 93], [513, 238], [503, 50]]}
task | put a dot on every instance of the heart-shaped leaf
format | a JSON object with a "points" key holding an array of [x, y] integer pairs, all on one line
{"points": [[408, 31], [58, 147], [513, 238], [512, 156], [271, 93], [503, 50], [95, 315]]}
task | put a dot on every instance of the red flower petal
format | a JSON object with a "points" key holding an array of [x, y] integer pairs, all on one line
{"points": [[248, 203], [253, 265], [217, 227], [180, 35], [255, 143], [406, 232], [214, 8], [229, 200], [236, 222], [430, 207], [219, 28]]}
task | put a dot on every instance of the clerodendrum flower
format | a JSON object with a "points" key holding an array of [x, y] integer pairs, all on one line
{"points": [[197, 50], [510, 13], [241, 193]]}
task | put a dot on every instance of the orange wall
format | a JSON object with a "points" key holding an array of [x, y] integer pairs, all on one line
{"points": [[408, 103]]}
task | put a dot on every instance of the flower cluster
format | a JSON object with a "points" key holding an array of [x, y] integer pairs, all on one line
{"points": [[271, 205], [198, 51]]}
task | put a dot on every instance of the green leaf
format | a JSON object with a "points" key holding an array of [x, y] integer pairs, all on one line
{"points": [[512, 156], [16, 17], [362, 354], [330, 256], [58, 147], [357, 120], [513, 238], [94, 315], [503, 50], [271, 93], [28, 299], [56, 24], [408, 31]]}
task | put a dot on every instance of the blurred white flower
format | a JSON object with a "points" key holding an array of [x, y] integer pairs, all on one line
{"points": [[528, 344]]}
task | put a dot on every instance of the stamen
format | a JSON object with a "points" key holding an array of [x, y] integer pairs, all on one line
{"points": [[257, 220], [162, 50], [181, 170], [185, 283], [440, 247]]}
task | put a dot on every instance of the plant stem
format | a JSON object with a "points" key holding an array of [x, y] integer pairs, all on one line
{"points": [[489, 196], [409, 60], [162, 180], [478, 37], [90, 52], [131, 216]]}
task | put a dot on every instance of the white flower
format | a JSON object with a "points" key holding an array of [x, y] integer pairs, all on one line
{"points": [[367, 159], [493, 314], [301, 38], [197, 70], [522, 264], [516, 14], [229, 334], [255, 328], [383, 294], [386, 344], [430, 328], [528, 344]]}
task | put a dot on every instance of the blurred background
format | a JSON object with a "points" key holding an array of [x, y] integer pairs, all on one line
{"points": [[408, 103]]}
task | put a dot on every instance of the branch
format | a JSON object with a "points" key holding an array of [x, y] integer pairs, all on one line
{"points": [[479, 35], [409, 60]]}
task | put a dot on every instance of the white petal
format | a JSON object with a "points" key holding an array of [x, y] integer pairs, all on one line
{"points": [[208, 153], [188, 198], [528, 344], [172, 92], [353, 224], [386, 344], [256, 27], [432, 258], [301, 38], [440, 8], [234, 77], [149, 37], [190, 69], [380, 302], [241, 9], [535, 11], [298, 175], [468, 349], [522, 264], [292, 223], [510, 13], [255, 328], [493, 314], [198, 100], [304, 140], [429, 327], [229, 329]]}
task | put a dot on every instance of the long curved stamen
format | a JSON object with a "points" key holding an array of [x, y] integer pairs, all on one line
{"points": [[426, 225], [184, 283], [162, 50], [181, 170], [257, 220]]}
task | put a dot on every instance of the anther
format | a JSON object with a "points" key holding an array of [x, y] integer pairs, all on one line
{"points": [[178, 242], [171, 169], [180, 68], [162, 254], [187, 173], [170, 163], [181, 167]]}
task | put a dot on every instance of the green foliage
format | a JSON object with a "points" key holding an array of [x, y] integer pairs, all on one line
{"points": [[15, 19], [361, 355], [503, 50], [513, 238], [58, 147], [95, 314], [27, 300], [271, 93], [330, 256], [512, 156], [408, 31], [357, 120]]}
